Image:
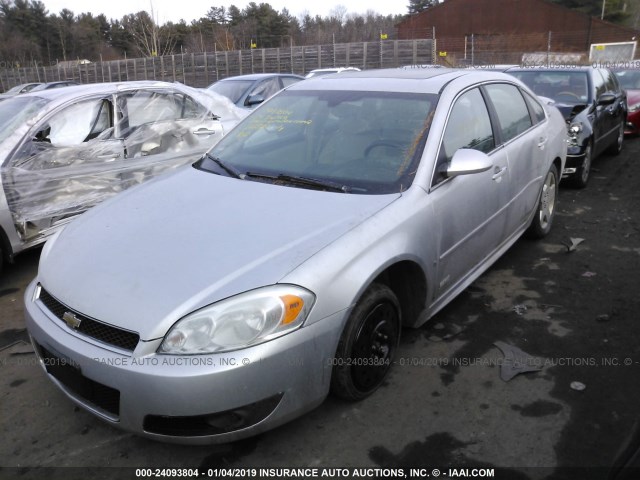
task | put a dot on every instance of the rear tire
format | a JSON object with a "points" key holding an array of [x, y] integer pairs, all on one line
{"points": [[367, 345], [543, 219], [616, 147]]}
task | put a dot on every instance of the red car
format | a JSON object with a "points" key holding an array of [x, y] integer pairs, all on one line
{"points": [[630, 81]]}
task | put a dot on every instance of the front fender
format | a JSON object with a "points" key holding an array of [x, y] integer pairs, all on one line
{"points": [[341, 272]]}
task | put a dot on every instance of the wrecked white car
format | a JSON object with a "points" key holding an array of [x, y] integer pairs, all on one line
{"points": [[63, 151]]}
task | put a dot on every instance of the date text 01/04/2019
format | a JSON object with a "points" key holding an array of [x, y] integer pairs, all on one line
{"points": [[315, 472]]}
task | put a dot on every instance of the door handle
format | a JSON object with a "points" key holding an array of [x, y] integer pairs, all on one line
{"points": [[204, 131], [107, 156], [498, 172], [542, 142]]}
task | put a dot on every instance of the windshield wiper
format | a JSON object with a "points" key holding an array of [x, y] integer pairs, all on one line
{"points": [[302, 181], [227, 168]]}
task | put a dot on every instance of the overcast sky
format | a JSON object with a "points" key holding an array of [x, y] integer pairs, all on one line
{"points": [[172, 10]]}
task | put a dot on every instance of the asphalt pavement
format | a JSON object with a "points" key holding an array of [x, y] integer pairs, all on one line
{"points": [[574, 315]]}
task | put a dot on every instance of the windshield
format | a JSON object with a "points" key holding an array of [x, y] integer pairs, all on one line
{"points": [[232, 89], [22, 88], [569, 88], [365, 142], [17, 110], [629, 79]]}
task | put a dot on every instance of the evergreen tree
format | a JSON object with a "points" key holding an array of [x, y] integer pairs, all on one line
{"points": [[417, 6]]}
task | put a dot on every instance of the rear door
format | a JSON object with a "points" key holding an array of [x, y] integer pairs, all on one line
{"points": [[602, 120], [614, 114], [165, 125], [525, 139]]}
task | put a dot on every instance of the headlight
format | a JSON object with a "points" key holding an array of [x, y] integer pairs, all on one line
{"points": [[241, 321], [634, 108], [573, 131]]}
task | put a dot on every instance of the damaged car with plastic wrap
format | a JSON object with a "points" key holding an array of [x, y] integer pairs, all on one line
{"points": [[65, 150], [230, 297]]}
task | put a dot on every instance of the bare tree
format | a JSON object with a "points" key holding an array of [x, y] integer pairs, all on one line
{"points": [[338, 13], [150, 39]]}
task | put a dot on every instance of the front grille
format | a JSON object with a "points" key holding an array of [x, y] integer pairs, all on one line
{"points": [[99, 395], [92, 328]]}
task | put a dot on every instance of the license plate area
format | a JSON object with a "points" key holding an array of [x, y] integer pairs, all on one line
{"points": [[69, 374]]}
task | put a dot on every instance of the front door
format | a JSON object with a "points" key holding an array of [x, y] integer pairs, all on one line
{"points": [[470, 210]]}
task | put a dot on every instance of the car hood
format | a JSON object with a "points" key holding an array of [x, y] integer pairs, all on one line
{"points": [[569, 112], [162, 250]]}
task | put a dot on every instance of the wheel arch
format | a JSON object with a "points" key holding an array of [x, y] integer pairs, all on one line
{"points": [[408, 282], [559, 166]]}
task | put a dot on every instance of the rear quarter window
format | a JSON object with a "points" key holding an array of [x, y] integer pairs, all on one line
{"points": [[512, 111], [537, 111]]}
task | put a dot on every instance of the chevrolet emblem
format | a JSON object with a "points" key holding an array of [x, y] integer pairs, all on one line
{"points": [[71, 320]]}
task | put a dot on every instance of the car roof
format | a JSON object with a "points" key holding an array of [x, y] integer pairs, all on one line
{"points": [[418, 80], [259, 76], [61, 82], [97, 88], [335, 69], [572, 68]]}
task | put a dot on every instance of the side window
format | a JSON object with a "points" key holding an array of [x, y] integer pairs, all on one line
{"points": [[468, 126], [76, 124], [609, 81], [190, 108], [148, 107], [286, 81], [267, 88], [511, 109], [537, 111], [598, 83]]}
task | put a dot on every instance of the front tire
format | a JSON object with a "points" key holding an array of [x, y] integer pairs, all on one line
{"points": [[543, 219], [367, 345], [581, 177]]}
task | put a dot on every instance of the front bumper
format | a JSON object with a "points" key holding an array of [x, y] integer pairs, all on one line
{"points": [[197, 399], [575, 159]]}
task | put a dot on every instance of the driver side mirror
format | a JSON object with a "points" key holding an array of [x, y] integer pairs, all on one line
{"points": [[606, 99], [467, 161], [254, 100]]}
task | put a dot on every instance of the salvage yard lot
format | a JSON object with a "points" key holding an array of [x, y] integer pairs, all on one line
{"points": [[444, 404]]}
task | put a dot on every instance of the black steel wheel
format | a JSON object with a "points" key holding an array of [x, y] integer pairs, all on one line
{"points": [[581, 177], [367, 345]]}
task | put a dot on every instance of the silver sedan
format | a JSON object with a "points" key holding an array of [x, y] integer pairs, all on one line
{"points": [[228, 298]]}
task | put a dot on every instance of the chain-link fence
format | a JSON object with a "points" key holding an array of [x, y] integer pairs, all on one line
{"points": [[544, 48], [201, 69]]}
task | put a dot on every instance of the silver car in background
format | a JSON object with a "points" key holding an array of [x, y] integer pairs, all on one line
{"points": [[64, 150], [249, 91], [228, 298]]}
